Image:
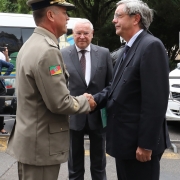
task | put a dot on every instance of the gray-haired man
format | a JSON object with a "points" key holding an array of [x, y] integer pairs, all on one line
{"points": [[137, 98]]}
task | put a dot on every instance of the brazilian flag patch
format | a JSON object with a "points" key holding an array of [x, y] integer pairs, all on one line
{"points": [[54, 70]]}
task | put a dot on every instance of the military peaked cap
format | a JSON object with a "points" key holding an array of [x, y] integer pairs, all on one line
{"points": [[39, 4]]}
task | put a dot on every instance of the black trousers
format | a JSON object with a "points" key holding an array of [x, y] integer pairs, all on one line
{"points": [[97, 154], [135, 170]]}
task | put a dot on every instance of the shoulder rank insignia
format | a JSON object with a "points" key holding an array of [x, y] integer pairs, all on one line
{"points": [[54, 70]]}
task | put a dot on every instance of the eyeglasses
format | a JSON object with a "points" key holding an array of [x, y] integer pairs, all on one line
{"points": [[117, 15]]}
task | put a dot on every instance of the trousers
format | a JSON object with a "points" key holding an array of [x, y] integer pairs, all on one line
{"points": [[8, 65], [132, 169], [32, 172]]}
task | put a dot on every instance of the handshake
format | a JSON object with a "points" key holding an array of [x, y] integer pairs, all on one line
{"points": [[91, 101]]}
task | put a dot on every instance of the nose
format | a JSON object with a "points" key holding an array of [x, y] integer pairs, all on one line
{"points": [[114, 20], [67, 17], [82, 35]]}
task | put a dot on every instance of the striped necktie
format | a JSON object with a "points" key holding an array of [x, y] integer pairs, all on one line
{"points": [[83, 61]]}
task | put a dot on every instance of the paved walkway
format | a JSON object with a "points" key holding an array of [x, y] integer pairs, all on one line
{"points": [[170, 164]]}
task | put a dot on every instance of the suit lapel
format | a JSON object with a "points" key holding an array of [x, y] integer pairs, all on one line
{"points": [[75, 60], [94, 61], [120, 70], [125, 62]]}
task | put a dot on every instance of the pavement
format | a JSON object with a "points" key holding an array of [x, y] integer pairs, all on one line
{"points": [[170, 164], [8, 165]]}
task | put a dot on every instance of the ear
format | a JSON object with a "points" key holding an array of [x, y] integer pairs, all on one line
{"points": [[50, 15], [137, 19]]}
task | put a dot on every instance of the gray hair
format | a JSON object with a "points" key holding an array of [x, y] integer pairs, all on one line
{"points": [[133, 7], [82, 21]]}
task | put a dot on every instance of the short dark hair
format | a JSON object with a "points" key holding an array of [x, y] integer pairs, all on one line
{"points": [[39, 15]]}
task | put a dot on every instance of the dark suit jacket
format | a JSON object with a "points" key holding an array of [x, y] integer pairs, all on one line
{"points": [[101, 74], [137, 100]]}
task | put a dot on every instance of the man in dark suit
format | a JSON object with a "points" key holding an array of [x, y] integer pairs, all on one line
{"points": [[136, 99], [89, 72]]}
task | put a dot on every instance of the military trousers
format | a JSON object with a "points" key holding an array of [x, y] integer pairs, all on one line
{"points": [[32, 172]]}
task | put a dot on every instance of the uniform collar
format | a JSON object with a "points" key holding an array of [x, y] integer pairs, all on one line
{"points": [[45, 33]]}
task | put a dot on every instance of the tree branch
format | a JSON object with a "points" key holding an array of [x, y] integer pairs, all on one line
{"points": [[106, 4]]}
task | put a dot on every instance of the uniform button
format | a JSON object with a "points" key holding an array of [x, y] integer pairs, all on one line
{"points": [[61, 129]]}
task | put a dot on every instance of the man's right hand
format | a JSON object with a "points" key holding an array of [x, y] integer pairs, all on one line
{"points": [[91, 101], [92, 104], [88, 96]]}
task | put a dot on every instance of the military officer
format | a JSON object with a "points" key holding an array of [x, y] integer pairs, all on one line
{"points": [[40, 137]]}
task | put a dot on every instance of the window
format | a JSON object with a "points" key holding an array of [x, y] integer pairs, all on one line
{"points": [[14, 37], [26, 33]]}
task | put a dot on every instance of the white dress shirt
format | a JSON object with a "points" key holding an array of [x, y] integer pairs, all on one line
{"points": [[2, 56], [131, 41], [88, 62]]}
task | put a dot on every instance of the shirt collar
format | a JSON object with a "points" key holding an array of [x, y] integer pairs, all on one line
{"points": [[131, 41], [88, 48]]}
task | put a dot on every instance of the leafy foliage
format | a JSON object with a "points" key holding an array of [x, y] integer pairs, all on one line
{"points": [[166, 24], [97, 11], [14, 6], [23, 8], [8, 6]]}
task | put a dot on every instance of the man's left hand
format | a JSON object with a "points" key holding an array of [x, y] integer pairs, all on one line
{"points": [[143, 155]]}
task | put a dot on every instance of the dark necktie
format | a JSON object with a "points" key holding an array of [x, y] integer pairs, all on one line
{"points": [[117, 73], [83, 61], [126, 49]]}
